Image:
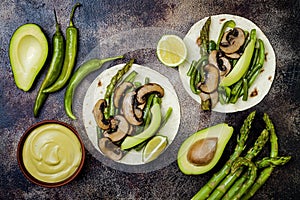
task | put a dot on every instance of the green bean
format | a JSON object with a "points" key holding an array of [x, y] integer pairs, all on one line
{"points": [[259, 63], [54, 68], [236, 87], [235, 97], [227, 24], [261, 56], [246, 42], [82, 71], [147, 80], [130, 77], [253, 34], [252, 79], [257, 67], [137, 84], [254, 59], [234, 61], [167, 116], [227, 92], [147, 114], [221, 99], [211, 46], [70, 55], [200, 66], [193, 80], [192, 67], [245, 89]]}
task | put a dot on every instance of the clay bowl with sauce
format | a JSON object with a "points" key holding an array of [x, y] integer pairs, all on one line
{"points": [[50, 153]]}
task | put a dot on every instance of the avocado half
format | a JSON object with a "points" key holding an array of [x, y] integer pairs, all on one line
{"points": [[28, 51], [222, 132]]}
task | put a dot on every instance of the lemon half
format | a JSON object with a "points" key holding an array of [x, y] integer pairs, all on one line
{"points": [[154, 148], [171, 50]]}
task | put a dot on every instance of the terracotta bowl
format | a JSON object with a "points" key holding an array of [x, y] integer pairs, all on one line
{"points": [[29, 175]]}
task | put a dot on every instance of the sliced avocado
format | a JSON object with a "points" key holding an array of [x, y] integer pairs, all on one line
{"points": [[28, 51], [131, 141], [199, 154], [240, 67]]}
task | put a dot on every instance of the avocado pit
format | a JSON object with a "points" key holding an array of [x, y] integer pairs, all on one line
{"points": [[202, 151]]}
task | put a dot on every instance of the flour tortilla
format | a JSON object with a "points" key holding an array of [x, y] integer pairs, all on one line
{"points": [[97, 90], [263, 82]]}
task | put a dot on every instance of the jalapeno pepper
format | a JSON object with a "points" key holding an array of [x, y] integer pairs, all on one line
{"points": [[54, 68], [70, 55], [80, 73]]}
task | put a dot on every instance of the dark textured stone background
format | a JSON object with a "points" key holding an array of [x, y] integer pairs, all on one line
{"points": [[98, 20]]}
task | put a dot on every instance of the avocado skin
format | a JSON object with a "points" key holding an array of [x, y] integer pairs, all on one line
{"points": [[222, 131], [25, 72]]}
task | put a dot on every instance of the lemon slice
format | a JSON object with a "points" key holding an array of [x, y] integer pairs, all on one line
{"points": [[171, 50], [154, 148]]}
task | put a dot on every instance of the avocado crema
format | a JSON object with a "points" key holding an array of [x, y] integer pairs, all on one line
{"points": [[201, 151], [52, 153]]}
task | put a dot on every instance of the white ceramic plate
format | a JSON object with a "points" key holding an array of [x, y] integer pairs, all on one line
{"points": [[263, 82], [96, 91]]}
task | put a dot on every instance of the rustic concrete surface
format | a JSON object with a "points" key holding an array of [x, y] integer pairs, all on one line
{"points": [[102, 21]]}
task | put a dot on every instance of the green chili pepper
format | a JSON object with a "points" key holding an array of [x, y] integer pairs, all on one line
{"points": [[80, 73], [70, 55], [54, 68]]}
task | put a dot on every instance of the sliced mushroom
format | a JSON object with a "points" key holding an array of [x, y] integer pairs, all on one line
{"points": [[120, 92], [217, 59], [225, 66], [98, 112], [213, 56], [211, 81], [109, 149], [232, 40], [129, 109], [213, 98], [233, 55], [150, 88], [122, 128]]}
